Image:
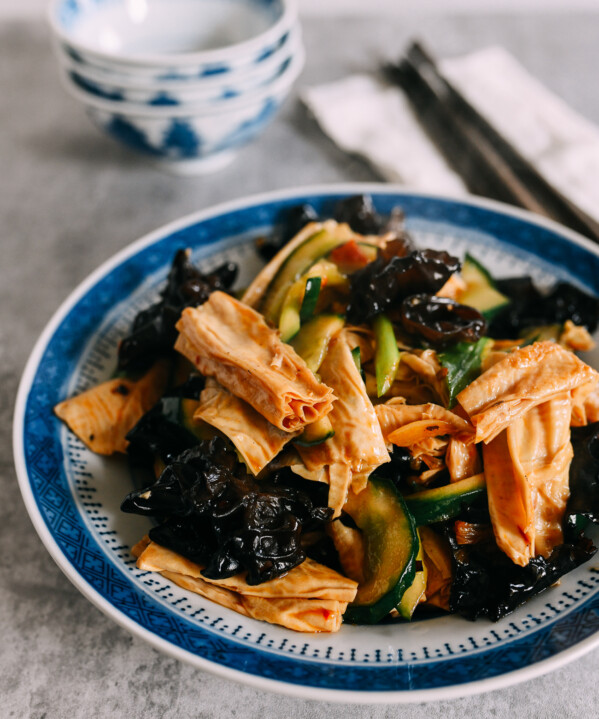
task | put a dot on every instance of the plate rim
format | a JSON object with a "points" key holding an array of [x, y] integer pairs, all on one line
{"points": [[303, 691]]}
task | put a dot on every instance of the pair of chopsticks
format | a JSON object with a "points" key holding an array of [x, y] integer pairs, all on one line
{"points": [[487, 163]]}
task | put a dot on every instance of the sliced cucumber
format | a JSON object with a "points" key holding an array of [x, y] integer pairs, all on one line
{"points": [[311, 344], [301, 298], [371, 251], [312, 341], [311, 295], [391, 545], [413, 594], [298, 262], [298, 306], [443, 503], [316, 433], [357, 358], [387, 356], [481, 292]]}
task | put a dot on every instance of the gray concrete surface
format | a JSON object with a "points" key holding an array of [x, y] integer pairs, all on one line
{"points": [[69, 199]]}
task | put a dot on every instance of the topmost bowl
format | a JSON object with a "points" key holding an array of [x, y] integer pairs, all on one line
{"points": [[213, 35]]}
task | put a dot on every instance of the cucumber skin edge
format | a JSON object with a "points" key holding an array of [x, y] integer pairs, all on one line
{"points": [[373, 613], [315, 442], [424, 515]]}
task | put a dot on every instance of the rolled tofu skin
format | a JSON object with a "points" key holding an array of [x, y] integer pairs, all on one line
{"points": [[358, 440], [102, 415], [301, 615], [510, 501], [278, 601], [526, 469], [257, 440], [425, 366], [309, 580], [525, 378], [357, 448], [436, 556], [585, 404], [462, 459], [394, 415], [231, 342]]}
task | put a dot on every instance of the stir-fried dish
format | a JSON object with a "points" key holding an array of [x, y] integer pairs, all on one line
{"points": [[369, 430]]}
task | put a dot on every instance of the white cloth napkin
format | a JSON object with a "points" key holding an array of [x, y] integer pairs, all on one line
{"points": [[364, 115]]}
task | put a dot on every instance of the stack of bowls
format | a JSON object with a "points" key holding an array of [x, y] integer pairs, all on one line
{"points": [[187, 82]]}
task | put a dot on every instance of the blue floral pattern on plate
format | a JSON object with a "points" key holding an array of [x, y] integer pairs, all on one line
{"points": [[73, 497]]}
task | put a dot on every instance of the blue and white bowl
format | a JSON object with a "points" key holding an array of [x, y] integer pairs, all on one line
{"points": [[193, 138], [120, 87], [172, 39]]}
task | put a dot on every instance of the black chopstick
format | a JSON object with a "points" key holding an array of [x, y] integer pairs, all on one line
{"points": [[485, 160]]}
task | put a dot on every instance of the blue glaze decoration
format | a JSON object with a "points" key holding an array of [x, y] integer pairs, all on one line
{"points": [[181, 140], [163, 99], [124, 131], [95, 89]]}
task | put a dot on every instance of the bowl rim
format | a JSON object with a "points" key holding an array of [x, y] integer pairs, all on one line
{"points": [[229, 54], [97, 74], [200, 108]]}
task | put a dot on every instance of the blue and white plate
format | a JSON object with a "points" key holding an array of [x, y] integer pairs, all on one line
{"points": [[73, 496]]}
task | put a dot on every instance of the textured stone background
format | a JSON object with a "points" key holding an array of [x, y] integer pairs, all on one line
{"points": [[69, 199]]}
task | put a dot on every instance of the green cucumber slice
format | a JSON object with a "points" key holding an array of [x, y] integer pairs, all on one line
{"points": [[312, 341], [316, 433], [371, 251], [289, 322], [304, 256], [311, 344], [481, 292], [413, 594], [311, 295], [298, 306], [443, 503], [387, 355], [391, 545], [357, 358], [303, 294]]}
